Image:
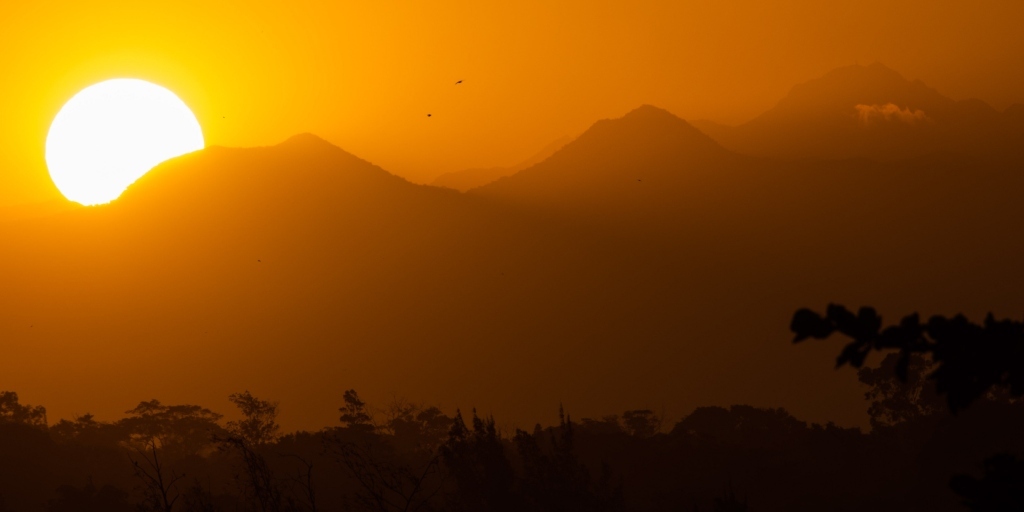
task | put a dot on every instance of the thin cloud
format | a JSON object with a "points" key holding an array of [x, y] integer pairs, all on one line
{"points": [[888, 112]]}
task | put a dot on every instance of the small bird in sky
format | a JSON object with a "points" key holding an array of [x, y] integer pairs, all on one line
{"points": [[428, 115], [259, 261], [459, 82]]}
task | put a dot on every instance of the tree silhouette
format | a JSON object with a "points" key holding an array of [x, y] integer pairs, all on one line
{"points": [[970, 360], [641, 422], [159, 482], [14, 412], [476, 460], [389, 481], [260, 424], [258, 482], [354, 414], [181, 430]]}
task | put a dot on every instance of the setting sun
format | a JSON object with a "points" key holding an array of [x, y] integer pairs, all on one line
{"points": [[110, 134]]}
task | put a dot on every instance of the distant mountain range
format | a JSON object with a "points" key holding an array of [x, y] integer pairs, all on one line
{"points": [[872, 112], [644, 261]]}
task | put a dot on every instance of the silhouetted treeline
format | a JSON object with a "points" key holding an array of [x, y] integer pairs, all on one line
{"points": [[405, 457]]}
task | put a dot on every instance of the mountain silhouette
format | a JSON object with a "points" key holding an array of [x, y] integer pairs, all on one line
{"points": [[647, 159], [471, 178], [870, 112]]}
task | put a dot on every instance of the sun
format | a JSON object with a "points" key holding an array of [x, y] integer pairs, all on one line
{"points": [[111, 133]]}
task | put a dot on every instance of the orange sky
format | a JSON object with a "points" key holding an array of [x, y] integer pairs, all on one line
{"points": [[364, 75]]}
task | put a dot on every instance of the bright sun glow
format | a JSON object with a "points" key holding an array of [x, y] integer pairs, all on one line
{"points": [[110, 134]]}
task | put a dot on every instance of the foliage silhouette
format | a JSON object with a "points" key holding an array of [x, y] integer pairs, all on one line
{"points": [[180, 429], [354, 414], [476, 460], [971, 360], [260, 424], [14, 412]]}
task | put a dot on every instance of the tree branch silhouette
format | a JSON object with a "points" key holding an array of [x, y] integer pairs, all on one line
{"points": [[971, 360], [159, 486]]}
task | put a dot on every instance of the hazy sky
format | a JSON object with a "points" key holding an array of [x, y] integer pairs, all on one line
{"points": [[364, 75]]}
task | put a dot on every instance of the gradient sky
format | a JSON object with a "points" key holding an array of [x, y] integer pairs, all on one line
{"points": [[364, 75]]}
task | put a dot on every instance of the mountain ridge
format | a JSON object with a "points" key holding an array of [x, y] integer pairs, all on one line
{"points": [[872, 112], [618, 165]]}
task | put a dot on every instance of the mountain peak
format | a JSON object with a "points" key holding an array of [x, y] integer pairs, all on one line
{"points": [[648, 111], [613, 157], [305, 140], [646, 125], [843, 88]]}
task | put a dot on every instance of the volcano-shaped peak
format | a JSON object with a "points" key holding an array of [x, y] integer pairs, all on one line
{"points": [[647, 111], [614, 156], [646, 126], [649, 117]]}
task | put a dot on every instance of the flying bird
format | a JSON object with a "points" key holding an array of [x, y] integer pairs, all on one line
{"points": [[428, 115], [459, 82]]}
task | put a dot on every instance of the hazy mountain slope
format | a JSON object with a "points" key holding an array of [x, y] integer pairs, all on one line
{"points": [[471, 178], [871, 112]]}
